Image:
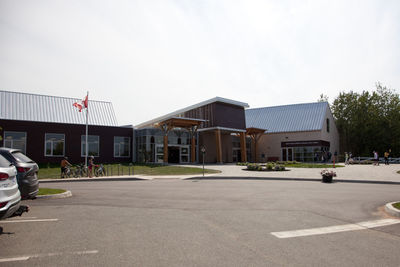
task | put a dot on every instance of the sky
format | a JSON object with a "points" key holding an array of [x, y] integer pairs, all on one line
{"points": [[152, 57]]}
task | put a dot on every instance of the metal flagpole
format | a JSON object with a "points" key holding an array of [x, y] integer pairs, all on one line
{"points": [[86, 142]]}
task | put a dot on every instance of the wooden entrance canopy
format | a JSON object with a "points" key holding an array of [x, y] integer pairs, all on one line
{"points": [[176, 122], [255, 134]]}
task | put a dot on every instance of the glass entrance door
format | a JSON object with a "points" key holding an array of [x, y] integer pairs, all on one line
{"points": [[287, 154], [290, 154]]}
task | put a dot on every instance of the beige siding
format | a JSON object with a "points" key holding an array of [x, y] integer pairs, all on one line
{"points": [[270, 144]]}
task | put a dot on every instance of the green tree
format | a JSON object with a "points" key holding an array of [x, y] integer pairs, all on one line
{"points": [[368, 121]]}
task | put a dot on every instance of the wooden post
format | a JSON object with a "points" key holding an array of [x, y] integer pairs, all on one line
{"points": [[243, 150], [218, 145], [165, 148], [193, 150], [255, 150]]}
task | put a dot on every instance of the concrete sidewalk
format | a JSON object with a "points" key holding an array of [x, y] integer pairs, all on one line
{"points": [[349, 173], [381, 173]]}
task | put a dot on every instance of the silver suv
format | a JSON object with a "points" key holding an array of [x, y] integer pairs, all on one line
{"points": [[10, 197]]}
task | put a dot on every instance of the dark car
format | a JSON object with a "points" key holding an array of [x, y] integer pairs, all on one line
{"points": [[27, 169]]}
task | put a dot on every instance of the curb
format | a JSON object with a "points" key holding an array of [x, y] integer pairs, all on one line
{"points": [[392, 210], [55, 196], [67, 180]]}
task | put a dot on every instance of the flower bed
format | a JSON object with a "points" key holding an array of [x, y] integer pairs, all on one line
{"points": [[266, 167]]}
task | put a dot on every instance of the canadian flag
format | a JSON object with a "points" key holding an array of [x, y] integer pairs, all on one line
{"points": [[83, 104]]}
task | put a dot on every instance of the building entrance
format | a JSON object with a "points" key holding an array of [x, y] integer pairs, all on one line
{"points": [[173, 154]]}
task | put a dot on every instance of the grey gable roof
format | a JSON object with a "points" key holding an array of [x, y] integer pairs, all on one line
{"points": [[290, 118], [43, 108]]}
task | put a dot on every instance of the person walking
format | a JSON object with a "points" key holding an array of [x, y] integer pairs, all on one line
{"points": [[386, 156], [346, 158]]}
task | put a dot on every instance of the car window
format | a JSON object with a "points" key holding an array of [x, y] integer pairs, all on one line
{"points": [[4, 162], [21, 157]]}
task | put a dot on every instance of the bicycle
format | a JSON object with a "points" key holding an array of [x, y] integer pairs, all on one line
{"points": [[99, 170], [66, 173], [80, 171]]}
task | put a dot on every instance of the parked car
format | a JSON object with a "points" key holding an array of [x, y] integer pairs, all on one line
{"points": [[27, 171], [10, 197]]}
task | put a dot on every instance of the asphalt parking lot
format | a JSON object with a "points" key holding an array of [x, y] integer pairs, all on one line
{"points": [[172, 222]]}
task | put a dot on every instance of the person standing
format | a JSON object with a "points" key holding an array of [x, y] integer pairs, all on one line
{"points": [[346, 158], [376, 158], [386, 155], [90, 167]]}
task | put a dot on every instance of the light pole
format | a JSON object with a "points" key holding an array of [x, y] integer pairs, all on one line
{"points": [[203, 151]]}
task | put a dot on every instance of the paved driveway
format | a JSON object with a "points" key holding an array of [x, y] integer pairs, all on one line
{"points": [[173, 222], [349, 172]]}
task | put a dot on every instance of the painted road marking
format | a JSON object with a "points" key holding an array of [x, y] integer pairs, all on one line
{"points": [[25, 258], [23, 218], [336, 228], [38, 220]]}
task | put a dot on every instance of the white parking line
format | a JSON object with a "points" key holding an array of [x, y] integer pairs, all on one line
{"points": [[21, 221], [14, 259], [25, 258], [23, 218], [336, 228]]}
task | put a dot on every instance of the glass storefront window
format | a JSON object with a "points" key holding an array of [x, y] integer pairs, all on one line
{"points": [[54, 145], [93, 148], [122, 147], [15, 140]]}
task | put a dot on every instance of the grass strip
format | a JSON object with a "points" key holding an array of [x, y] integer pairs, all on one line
{"points": [[53, 171], [50, 191], [396, 205], [312, 165]]}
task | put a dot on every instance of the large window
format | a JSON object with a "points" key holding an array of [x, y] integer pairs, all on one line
{"points": [[54, 144], [122, 146], [327, 125], [93, 148], [15, 140]]}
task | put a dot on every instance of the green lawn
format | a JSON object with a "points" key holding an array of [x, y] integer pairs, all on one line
{"points": [[53, 172], [312, 165], [49, 191], [397, 205]]}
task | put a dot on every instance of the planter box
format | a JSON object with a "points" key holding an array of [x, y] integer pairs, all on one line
{"points": [[327, 178]]}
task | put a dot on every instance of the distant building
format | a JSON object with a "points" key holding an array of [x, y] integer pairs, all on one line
{"points": [[301, 132], [47, 128]]}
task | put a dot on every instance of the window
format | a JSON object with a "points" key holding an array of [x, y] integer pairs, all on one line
{"points": [[54, 145], [93, 148], [15, 140], [122, 146], [327, 125]]}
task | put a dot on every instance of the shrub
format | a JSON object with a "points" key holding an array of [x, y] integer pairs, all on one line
{"points": [[254, 167], [270, 166], [280, 168]]}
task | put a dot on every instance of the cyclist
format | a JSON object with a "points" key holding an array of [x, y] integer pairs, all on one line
{"points": [[64, 166]]}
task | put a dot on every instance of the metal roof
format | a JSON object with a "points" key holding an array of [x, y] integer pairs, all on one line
{"points": [[289, 118], [43, 108], [180, 111]]}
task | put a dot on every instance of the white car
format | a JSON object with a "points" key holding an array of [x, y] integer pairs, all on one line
{"points": [[10, 197]]}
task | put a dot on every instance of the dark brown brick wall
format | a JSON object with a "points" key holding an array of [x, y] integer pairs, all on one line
{"points": [[36, 131]]}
